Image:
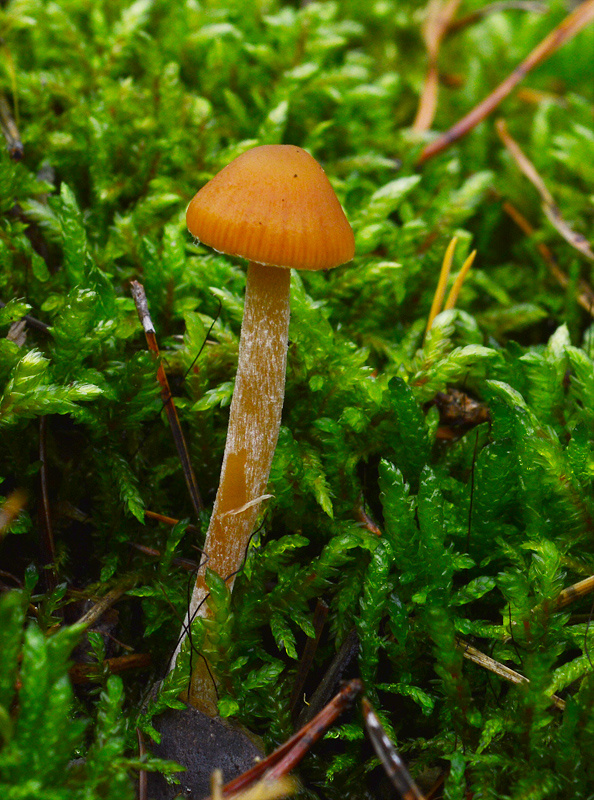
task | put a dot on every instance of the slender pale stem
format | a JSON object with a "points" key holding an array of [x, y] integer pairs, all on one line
{"points": [[254, 424]]}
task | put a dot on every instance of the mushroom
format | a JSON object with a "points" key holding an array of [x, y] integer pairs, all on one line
{"points": [[274, 206]]}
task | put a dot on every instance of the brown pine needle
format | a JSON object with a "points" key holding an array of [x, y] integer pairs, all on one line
{"points": [[440, 14], [522, 161], [548, 203], [84, 673], [497, 8], [585, 295], [286, 757], [140, 300], [571, 25], [455, 290], [107, 601], [483, 660], [441, 284], [169, 520]]}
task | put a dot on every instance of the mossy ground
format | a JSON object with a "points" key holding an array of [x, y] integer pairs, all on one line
{"points": [[124, 111]]}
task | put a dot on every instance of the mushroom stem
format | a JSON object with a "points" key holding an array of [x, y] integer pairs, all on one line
{"points": [[254, 423]]}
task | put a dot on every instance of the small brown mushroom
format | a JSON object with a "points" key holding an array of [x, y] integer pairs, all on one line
{"points": [[274, 206]]}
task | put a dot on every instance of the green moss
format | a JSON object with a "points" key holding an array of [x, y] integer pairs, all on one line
{"points": [[124, 111]]}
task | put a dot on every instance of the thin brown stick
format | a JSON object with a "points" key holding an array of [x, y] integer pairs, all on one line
{"points": [[550, 208], [348, 650], [31, 321], [101, 606], [140, 300], [183, 563], [585, 295], [287, 756], [496, 8], [571, 25], [48, 550], [575, 592], [440, 14], [483, 660], [142, 774], [83, 673], [169, 521]]}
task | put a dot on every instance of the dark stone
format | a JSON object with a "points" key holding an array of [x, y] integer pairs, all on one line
{"points": [[201, 744]]}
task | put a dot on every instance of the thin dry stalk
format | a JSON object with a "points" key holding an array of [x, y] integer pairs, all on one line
{"points": [[83, 673], [307, 657], [571, 25], [390, 758], [11, 133], [440, 14], [140, 300], [549, 206], [483, 660], [497, 8], [107, 601], [575, 592], [142, 774], [585, 295], [169, 520], [48, 550]]}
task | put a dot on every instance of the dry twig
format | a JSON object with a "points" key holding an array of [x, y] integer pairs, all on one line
{"points": [[585, 296], [440, 14], [575, 592], [140, 300], [83, 673], [483, 660], [101, 606], [286, 757], [571, 25], [549, 206]]}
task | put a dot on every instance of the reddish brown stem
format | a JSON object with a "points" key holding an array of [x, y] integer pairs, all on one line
{"points": [[287, 756], [83, 673], [48, 551], [439, 18], [178, 437]]}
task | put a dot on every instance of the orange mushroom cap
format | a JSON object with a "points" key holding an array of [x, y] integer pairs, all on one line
{"points": [[273, 205]]}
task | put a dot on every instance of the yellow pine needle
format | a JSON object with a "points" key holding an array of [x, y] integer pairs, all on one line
{"points": [[441, 284], [455, 290]]}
